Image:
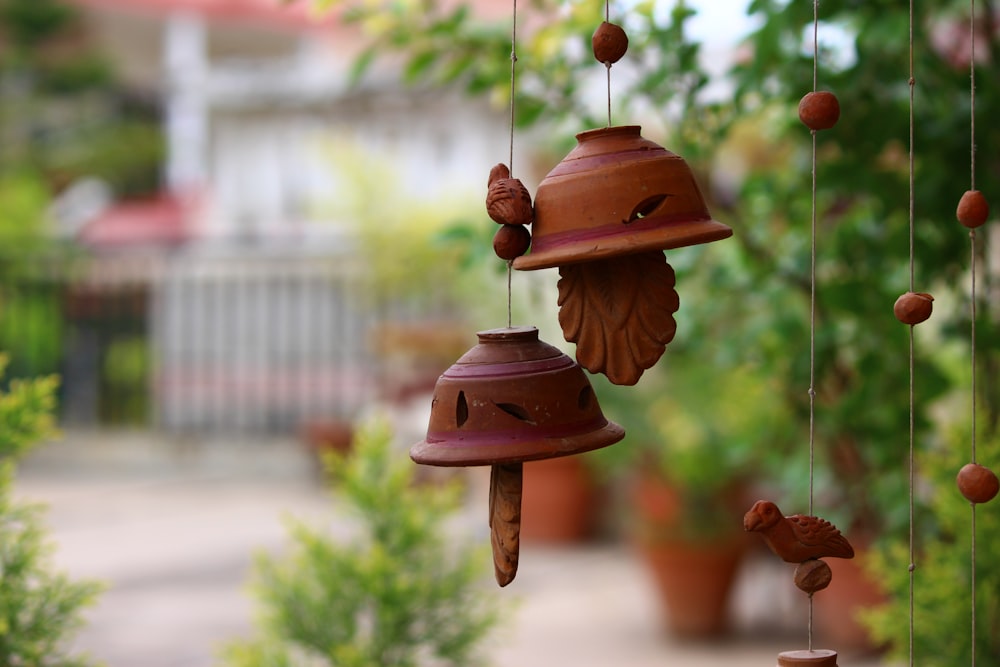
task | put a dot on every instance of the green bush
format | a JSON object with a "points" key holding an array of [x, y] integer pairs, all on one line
{"points": [[39, 608], [942, 579], [402, 593]]}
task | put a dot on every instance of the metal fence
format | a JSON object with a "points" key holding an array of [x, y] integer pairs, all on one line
{"points": [[196, 342]]}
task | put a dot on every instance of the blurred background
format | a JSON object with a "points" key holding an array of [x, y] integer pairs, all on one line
{"points": [[237, 230]]}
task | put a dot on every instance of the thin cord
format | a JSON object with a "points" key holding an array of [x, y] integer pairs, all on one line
{"points": [[607, 18], [972, 269], [513, 80], [510, 265], [812, 305], [513, 89], [608, 66], [972, 94], [912, 566]]}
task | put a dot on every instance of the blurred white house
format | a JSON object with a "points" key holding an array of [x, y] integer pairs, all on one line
{"points": [[255, 317]]}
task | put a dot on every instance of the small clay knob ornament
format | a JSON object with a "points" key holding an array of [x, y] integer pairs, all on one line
{"points": [[511, 241], [973, 209], [609, 43], [977, 483], [819, 110], [508, 202], [813, 576], [913, 307]]}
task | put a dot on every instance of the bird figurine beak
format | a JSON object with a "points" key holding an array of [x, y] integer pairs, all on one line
{"points": [[751, 521]]}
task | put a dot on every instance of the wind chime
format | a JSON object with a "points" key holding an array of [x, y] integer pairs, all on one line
{"points": [[807, 539], [604, 216]]}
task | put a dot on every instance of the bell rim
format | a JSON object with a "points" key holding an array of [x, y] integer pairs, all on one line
{"points": [[607, 242], [454, 451]]}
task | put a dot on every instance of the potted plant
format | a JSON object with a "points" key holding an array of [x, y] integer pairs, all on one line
{"points": [[692, 450]]}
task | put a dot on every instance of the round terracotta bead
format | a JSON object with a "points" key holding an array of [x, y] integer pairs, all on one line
{"points": [[973, 209], [511, 241], [508, 202], [819, 110], [977, 483], [813, 575], [609, 42], [913, 307]]}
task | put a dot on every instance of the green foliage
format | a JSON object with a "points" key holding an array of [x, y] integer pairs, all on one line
{"points": [[401, 593], [25, 414], [942, 580], [30, 23], [61, 114], [445, 44], [746, 301], [39, 608]]}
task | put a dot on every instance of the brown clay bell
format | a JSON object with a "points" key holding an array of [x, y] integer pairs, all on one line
{"points": [[617, 193], [604, 215], [512, 398]]}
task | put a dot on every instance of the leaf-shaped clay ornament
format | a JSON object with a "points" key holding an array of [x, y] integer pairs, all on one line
{"points": [[619, 312]]}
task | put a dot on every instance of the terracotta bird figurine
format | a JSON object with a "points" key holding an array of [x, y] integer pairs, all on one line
{"points": [[796, 538]]}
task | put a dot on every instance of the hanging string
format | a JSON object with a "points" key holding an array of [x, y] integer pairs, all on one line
{"points": [[812, 304], [513, 106], [513, 80], [812, 281], [510, 271], [607, 18], [972, 328], [912, 565]]}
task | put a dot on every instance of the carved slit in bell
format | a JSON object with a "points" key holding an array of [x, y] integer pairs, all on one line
{"points": [[512, 398], [614, 203]]}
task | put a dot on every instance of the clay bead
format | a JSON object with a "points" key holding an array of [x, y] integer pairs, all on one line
{"points": [[819, 110], [977, 483], [511, 241], [508, 202], [609, 42], [973, 209], [913, 307], [812, 576]]}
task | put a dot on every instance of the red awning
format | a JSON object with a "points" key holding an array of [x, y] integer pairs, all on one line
{"points": [[161, 221], [291, 13]]}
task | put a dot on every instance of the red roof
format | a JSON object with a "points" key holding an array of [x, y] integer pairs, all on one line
{"points": [[292, 13], [161, 221]]}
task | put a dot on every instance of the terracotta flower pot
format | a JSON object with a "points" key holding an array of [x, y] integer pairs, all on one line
{"points": [[693, 574], [560, 501], [694, 582]]}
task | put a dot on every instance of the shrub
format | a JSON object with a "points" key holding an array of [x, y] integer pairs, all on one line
{"points": [[39, 608], [401, 593]]}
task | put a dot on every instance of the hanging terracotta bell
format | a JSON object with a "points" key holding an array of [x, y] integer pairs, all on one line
{"points": [[615, 194], [512, 398], [603, 216]]}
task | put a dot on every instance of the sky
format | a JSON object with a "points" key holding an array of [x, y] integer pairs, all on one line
{"points": [[719, 23]]}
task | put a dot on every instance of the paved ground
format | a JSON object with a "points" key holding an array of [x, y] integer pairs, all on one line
{"points": [[172, 526]]}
